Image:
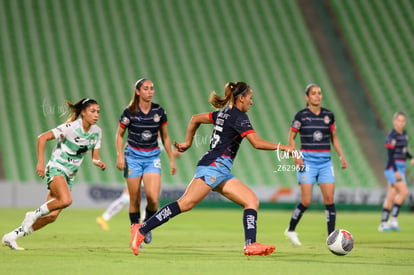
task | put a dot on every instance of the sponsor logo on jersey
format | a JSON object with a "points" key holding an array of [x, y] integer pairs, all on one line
{"points": [[317, 135], [146, 135]]}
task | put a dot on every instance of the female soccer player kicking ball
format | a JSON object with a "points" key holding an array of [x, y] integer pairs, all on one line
{"points": [[75, 138], [231, 125]]}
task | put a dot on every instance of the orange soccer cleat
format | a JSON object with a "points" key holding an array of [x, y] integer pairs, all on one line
{"points": [[136, 238], [258, 249]]}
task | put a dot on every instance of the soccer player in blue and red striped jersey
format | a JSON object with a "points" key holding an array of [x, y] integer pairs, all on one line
{"points": [[231, 125], [316, 126], [140, 159], [397, 148]]}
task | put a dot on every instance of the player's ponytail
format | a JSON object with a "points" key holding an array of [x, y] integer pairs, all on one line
{"points": [[231, 91], [75, 110]]}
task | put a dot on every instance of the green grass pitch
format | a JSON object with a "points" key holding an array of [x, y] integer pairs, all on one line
{"points": [[207, 241]]}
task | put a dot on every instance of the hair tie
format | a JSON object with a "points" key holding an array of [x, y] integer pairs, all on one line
{"points": [[138, 84]]}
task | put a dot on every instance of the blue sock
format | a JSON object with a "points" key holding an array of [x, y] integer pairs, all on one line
{"points": [[249, 223], [162, 216], [296, 216], [330, 217]]}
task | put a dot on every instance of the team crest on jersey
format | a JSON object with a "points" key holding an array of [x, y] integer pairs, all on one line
{"points": [[92, 140], [326, 119], [212, 179], [156, 118], [393, 142]]}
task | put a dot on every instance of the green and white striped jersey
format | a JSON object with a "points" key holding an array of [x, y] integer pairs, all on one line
{"points": [[73, 144]]}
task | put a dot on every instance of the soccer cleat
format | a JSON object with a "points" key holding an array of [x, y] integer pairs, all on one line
{"points": [[293, 237], [384, 227], [393, 225], [258, 249], [28, 221], [148, 237], [10, 241], [102, 223], [136, 238]]}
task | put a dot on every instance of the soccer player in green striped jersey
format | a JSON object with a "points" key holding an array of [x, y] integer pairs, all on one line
{"points": [[78, 135]]}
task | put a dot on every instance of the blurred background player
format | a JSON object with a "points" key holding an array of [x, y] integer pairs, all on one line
{"points": [[316, 126], [231, 125], [123, 200], [75, 138], [140, 158], [397, 148]]}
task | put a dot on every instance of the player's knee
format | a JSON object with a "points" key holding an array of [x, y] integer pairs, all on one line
{"points": [[65, 202], [253, 203], [186, 205], [306, 202], [152, 203]]}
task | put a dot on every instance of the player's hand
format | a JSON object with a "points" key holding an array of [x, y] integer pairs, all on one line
{"points": [[344, 163], [173, 168], [40, 170], [412, 161], [299, 162], [182, 147], [100, 164], [120, 163]]}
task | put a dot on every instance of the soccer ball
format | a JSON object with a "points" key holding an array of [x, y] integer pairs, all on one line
{"points": [[340, 242]]}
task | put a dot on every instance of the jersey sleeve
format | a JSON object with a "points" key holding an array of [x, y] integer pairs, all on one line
{"points": [[296, 123], [213, 116], [125, 119], [99, 141], [243, 125], [164, 119], [62, 130], [390, 142], [332, 124]]}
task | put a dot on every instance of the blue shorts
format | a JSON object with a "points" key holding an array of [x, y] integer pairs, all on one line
{"points": [[216, 173], [139, 162], [316, 172], [389, 173]]}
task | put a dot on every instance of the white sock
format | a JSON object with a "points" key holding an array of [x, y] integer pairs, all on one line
{"points": [[115, 207], [43, 209]]}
